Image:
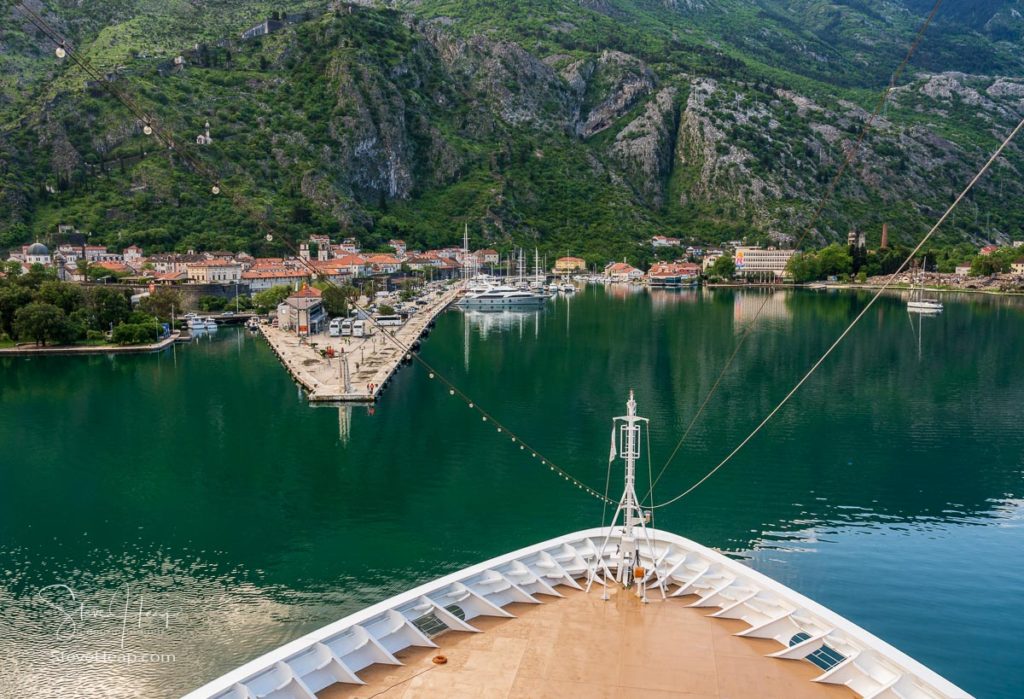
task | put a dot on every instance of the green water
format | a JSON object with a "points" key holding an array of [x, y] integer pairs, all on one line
{"points": [[198, 487]]}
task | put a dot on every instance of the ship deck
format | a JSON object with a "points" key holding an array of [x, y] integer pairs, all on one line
{"points": [[583, 646]]}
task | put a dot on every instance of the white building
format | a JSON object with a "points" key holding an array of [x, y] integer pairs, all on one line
{"points": [[214, 272], [204, 139], [37, 254], [753, 261], [398, 246], [623, 272], [263, 279], [133, 256]]}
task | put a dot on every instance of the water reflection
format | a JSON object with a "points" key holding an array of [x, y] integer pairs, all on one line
{"points": [[484, 322], [764, 306], [660, 298]]}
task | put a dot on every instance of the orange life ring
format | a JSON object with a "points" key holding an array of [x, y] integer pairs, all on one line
{"points": [[440, 660]]}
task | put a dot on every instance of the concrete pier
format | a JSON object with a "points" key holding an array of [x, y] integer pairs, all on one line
{"points": [[361, 365]]}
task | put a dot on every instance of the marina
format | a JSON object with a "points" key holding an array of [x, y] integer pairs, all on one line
{"points": [[351, 368]]}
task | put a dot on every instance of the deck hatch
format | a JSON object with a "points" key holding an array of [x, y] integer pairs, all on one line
{"points": [[825, 657], [432, 626]]}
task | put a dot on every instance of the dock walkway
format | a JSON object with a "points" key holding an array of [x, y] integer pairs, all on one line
{"points": [[368, 361]]}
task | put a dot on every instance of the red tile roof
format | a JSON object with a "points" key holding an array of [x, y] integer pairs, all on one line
{"points": [[620, 268], [383, 260], [307, 292]]}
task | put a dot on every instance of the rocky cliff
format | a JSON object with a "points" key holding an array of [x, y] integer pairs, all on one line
{"points": [[381, 123]]}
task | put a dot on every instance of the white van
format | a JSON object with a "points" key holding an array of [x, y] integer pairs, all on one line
{"points": [[361, 329], [384, 321], [334, 329], [346, 326]]}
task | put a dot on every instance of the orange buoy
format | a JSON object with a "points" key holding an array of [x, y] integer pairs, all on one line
{"points": [[639, 572], [440, 660]]}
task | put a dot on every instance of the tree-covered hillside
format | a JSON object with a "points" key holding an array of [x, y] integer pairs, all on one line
{"points": [[575, 126]]}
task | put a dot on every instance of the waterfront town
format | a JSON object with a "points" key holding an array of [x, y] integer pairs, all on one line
{"points": [[229, 274], [342, 319]]}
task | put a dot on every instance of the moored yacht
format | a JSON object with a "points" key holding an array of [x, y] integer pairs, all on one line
{"points": [[502, 297], [619, 610]]}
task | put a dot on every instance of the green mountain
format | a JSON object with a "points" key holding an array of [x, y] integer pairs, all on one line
{"points": [[582, 126]]}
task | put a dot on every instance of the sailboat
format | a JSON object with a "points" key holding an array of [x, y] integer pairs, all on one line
{"points": [[602, 611], [921, 304]]}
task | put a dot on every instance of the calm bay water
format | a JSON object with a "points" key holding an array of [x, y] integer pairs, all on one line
{"points": [[191, 505]]}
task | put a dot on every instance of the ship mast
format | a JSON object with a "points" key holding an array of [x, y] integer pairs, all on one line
{"points": [[633, 523]]}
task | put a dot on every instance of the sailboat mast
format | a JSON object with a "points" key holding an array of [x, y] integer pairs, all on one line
{"points": [[465, 252]]}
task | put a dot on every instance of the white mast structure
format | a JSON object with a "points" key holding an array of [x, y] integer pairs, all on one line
{"points": [[626, 557], [465, 255]]}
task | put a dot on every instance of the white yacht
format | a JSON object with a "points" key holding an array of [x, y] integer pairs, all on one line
{"points": [[502, 297], [479, 284], [919, 304], [195, 322], [619, 610], [924, 306]]}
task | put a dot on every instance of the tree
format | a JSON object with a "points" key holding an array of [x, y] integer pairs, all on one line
{"points": [[12, 297], [212, 303], [335, 302], [994, 263], [110, 307], [40, 322], [834, 260], [161, 302], [269, 299], [385, 310], [34, 278], [67, 297], [724, 267], [135, 333], [803, 267]]}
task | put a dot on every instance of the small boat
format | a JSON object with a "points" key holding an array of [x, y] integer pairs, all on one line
{"points": [[209, 323], [920, 304], [194, 322]]}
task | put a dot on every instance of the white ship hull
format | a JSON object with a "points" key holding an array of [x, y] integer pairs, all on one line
{"points": [[924, 306], [691, 575], [489, 301]]}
